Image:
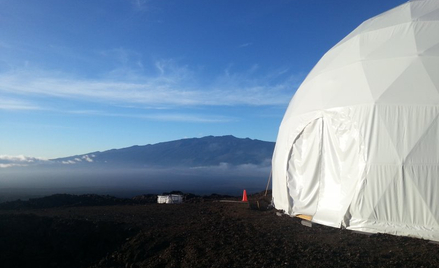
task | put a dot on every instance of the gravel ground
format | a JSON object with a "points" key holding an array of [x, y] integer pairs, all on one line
{"points": [[206, 233]]}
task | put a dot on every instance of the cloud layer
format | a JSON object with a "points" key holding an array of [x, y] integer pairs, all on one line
{"points": [[7, 161], [85, 158], [172, 86]]}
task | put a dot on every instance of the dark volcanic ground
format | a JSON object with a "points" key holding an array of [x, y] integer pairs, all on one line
{"points": [[202, 233]]}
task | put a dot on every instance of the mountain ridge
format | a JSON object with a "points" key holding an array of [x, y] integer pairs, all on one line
{"points": [[189, 152]]}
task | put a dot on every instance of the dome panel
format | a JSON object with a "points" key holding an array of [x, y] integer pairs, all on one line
{"points": [[431, 65], [381, 41], [380, 178], [426, 149], [425, 10], [308, 99], [413, 86], [345, 87], [425, 41], [395, 16], [431, 16], [394, 42], [432, 51], [382, 146], [406, 125], [381, 74], [428, 214], [340, 56], [402, 202]]}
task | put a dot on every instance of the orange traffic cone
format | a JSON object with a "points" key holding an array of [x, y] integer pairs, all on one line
{"points": [[244, 196]]}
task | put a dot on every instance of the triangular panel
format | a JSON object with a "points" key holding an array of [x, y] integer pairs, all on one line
{"points": [[379, 179], [381, 74], [425, 181], [432, 51], [381, 145], [398, 15], [426, 150], [339, 56], [413, 86], [406, 125], [307, 98], [425, 41], [399, 42], [431, 65], [401, 203], [426, 10], [345, 86]]}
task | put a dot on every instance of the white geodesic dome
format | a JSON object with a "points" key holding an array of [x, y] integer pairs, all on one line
{"points": [[358, 146]]}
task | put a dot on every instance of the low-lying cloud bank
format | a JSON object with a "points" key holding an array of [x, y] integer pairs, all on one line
{"points": [[7, 161], [33, 174], [76, 160]]}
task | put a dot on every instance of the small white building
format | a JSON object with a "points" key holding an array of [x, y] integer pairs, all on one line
{"points": [[170, 199]]}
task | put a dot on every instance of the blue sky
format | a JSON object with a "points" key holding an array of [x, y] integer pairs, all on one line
{"points": [[83, 76]]}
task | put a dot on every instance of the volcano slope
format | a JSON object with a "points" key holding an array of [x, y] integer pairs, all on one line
{"points": [[202, 233]]}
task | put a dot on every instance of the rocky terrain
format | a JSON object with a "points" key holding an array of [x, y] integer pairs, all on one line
{"points": [[103, 231]]}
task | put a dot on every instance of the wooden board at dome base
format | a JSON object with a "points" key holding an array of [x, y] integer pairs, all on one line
{"points": [[304, 217]]}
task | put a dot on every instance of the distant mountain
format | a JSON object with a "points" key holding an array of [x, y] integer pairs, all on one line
{"points": [[194, 152]]}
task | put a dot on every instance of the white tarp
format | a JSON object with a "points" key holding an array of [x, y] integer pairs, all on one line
{"points": [[169, 199], [358, 146]]}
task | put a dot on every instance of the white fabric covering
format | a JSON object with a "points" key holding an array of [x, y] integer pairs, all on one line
{"points": [[358, 146], [169, 199]]}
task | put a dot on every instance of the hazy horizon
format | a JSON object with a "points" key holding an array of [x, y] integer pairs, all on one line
{"points": [[224, 165], [40, 180]]}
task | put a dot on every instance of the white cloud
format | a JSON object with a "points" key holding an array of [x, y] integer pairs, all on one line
{"points": [[7, 161], [245, 45], [87, 158], [237, 169], [140, 5], [170, 117], [172, 86], [21, 158], [10, 165], [13, 104], [189, 118]]}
